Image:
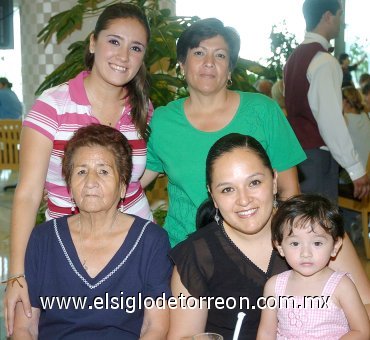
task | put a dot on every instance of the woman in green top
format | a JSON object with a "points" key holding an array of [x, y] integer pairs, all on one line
{"points": [[185, 129]]}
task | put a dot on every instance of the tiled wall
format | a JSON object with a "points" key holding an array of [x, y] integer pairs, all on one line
{"points": [[39, 60]]}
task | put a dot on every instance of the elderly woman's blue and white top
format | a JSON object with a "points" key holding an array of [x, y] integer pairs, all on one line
{"points": [[61, 288]]}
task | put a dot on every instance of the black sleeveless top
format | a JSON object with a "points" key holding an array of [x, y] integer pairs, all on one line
{"points": [[211, 265]]}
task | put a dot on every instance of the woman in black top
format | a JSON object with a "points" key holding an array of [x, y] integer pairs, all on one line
{"points": [[221, 269]]}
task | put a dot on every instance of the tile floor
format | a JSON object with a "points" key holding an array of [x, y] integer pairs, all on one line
{"points": [[8, 177]]}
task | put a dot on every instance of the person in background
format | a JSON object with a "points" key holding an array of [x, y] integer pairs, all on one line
{"points": [[264, 86], [232, 255], [313, 80], [347, 68], [277, 93], [183, 131], [366, 97], [10, 106], [112, 91], [358, 122], [363, 80], [97, 253], [308, 231]]}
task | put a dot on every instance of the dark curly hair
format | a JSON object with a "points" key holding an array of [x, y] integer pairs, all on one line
{"points": [[307, 209], [106, 137], [206, 29]]}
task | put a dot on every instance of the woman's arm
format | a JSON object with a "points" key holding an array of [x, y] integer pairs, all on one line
{"points": [[26, 328], [288, 184], [35, 154], [355, 312], [148, 177], [347, 260], [268, 325], [156, 320], [184, 322], [155, 324]]}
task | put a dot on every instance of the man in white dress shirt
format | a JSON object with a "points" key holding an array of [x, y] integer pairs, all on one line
{"points": [[313, 79]]}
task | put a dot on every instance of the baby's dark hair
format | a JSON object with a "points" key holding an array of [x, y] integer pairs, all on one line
{"points": [[305, 210]]}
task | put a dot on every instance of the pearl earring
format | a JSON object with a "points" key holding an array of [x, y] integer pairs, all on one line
{"points": [[121, 206], [73, 207]]}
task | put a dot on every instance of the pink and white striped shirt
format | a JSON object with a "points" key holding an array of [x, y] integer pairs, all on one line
{"points": [[57, 114]]}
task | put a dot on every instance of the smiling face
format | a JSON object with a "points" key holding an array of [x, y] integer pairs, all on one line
{"points": [[207, 66], [95, 184], [119, 51], [308, 250], [242, 189]]}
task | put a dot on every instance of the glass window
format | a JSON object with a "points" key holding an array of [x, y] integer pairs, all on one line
{"points": [[254, 19], [11, 59]]}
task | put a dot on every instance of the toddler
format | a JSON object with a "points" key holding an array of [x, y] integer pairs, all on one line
{"points": [[311, 300]]}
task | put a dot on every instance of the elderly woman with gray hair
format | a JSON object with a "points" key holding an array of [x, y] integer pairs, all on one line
{"points": [[90, 273]]}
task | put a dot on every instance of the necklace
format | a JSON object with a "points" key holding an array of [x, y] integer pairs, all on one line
{"points": [[96, 110], [82, 242]]}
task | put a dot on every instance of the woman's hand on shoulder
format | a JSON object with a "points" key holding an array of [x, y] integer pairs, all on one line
{"points": [[26, 328], [15, 293]]}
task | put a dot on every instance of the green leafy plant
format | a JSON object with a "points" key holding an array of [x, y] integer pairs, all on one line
{"points": [[357, 51], [160, 214], [283, 44], [166, 81], [40, 217]]}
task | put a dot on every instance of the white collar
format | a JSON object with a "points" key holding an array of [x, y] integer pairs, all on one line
{"points": [[311, 37]]}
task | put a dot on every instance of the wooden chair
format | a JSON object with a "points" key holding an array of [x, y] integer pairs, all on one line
{"points": [[362, 207], [10, 130]]}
